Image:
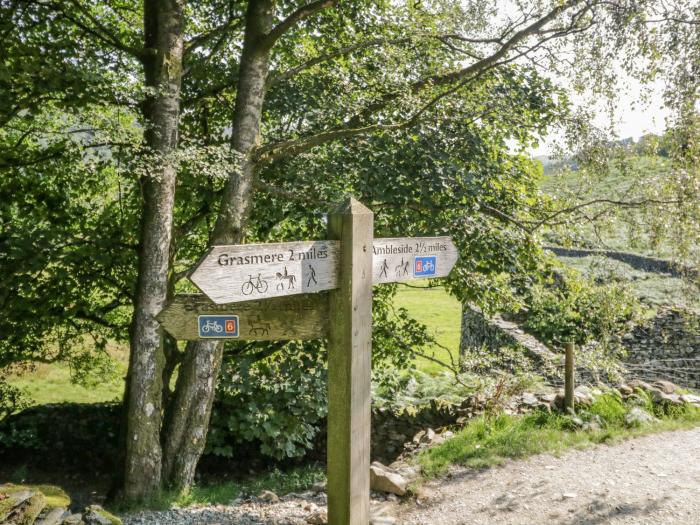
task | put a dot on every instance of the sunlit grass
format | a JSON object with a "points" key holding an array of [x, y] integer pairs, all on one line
{"points": [[490, 440], [441, 313]]}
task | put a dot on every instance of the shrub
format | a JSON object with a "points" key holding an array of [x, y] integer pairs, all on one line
{"points": [[277, 402]]}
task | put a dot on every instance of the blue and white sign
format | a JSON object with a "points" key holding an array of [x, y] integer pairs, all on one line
{"points": [[425, 266], [218, 326]]}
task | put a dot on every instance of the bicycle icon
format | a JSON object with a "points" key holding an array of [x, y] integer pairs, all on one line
{"points": [[252, 285], [211, 326], [425, 266]]}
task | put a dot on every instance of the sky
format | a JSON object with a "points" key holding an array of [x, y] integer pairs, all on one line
{"points": [[640, 110]]}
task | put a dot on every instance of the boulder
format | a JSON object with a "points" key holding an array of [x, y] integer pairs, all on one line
{"points": [[659, 397], [529, 399], [690, 398], [665, 386], [320, 517], [269, 496], [638, 417], [385, 479], [52, 517], [96, 515], [19, 506], [634, 384], [73, 519]]}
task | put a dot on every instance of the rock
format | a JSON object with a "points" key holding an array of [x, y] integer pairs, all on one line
{"points": [[595, 424], [690, 398], [409, 472], [52, 517], [385, 479], [529, 399], [665, 386], [428, 437], [583, 396], [548, 398], [382, 520], [269, 496], [637, 383], [569, 495], [96, 515], [318, 487], [558, 401], [73, 519], [22, 508], [577, 422], [659, 397], [637, 417], [320, 517]]}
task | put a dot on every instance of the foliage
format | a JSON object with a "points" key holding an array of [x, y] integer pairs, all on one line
{"points": [[277, 402], [40, 432], [12, 399], [419, 389], [578, 310], [490, 440]]}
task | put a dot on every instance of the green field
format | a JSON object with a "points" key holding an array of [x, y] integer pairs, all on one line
{"points": [[441, 313]]}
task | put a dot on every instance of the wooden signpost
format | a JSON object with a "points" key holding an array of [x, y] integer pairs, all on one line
{"points": [[251, 293]]}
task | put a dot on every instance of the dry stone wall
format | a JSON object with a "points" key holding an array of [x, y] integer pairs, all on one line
{"points": [[666, 347]]}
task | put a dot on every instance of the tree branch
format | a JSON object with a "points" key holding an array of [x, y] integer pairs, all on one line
{"points": [[297, 16]]}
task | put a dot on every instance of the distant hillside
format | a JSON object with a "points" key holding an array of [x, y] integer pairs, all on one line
{"points": [[619, 230]]}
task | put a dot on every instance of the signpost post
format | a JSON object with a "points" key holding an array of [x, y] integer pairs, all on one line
{"points": [[251, 292]]}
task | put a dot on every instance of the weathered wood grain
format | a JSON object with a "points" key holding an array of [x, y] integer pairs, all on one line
{"points": [[349, 368], [394, 259], [246, 272], [282, 318]]}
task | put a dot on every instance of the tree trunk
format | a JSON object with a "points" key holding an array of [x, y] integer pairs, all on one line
{"points": [[162, 60], [188, 420]]}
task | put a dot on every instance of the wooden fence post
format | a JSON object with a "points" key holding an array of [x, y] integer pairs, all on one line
{"points": [[569, 377], [349, 367]]}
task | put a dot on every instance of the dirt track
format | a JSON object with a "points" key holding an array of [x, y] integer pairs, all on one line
{"points": [[650, 480]]}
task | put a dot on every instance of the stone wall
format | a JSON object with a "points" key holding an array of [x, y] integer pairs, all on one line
{"points": [[635, 260], [666, 347], [487, 340]]}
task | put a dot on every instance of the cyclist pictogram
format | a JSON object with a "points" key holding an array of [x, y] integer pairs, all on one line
{"points": [[254, 285]]}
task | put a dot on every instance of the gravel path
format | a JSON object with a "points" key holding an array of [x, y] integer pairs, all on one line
{"points": [[649, 480]]}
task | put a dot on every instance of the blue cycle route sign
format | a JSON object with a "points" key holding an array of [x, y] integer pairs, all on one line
{"points": [[425, 266], [218, 326]]}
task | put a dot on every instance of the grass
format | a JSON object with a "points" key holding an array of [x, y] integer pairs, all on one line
{"points": [[490, 440], [441, 313], [52, 384]]}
